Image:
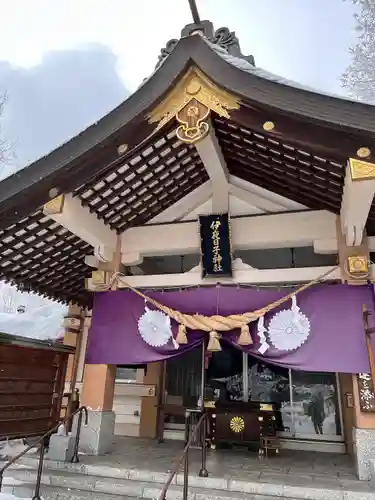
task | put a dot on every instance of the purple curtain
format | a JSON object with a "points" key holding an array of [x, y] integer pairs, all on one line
{"points": [[336, 342]]}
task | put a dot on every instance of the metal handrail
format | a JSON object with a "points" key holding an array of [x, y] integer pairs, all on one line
{"points": [[42, 442], [185, 456]]}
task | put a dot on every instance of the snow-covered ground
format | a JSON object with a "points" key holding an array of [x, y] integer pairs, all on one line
{"points": [[11, 448], [7, 496]]}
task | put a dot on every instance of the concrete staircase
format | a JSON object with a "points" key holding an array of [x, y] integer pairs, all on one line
{"points": [[62, 481]]}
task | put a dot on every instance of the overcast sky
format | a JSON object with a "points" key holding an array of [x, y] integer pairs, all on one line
{"points": [[65, 64]]}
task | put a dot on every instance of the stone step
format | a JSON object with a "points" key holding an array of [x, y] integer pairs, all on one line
{"points": [[62, 486], [26, 491], [147, 484]]}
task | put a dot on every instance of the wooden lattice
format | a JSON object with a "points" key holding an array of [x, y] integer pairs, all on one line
{"points": [[132, 193], [295, 174], [38, 254]]}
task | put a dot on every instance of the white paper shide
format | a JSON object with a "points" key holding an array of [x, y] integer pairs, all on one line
{"points": [[155, 328], [287, 329]]}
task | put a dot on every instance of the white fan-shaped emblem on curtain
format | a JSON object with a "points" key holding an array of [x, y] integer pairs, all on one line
{"points": [[289, 328], [155, 328]]}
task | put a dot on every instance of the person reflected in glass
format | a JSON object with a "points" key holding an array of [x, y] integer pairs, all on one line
{"points": [[315, 411]]}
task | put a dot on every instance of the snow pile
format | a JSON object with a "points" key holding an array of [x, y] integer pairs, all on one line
{"points": [[12, 448], [29, 315], [8, 496]]}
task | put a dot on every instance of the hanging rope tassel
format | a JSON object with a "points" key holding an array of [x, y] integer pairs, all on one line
{"points": [[245, 337], [181, 337], [214, 342]]}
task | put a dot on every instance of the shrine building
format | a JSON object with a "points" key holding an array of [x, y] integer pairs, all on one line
{"points": [[212, 236]]}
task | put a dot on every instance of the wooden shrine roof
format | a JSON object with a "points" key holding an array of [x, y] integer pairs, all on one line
{"points": [[303, 159], [132, 193], [38, 254]]}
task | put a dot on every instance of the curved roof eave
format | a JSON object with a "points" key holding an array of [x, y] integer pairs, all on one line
{"points": [[74, 161], [255, 85]]}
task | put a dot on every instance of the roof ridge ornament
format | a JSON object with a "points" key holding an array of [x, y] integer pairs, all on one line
{"points": [[190, 102], [228, 40], [222, 37]]}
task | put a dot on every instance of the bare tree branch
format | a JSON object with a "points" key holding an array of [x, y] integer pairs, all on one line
{"points": [[6, 149], [3, 144], [359, 77]]}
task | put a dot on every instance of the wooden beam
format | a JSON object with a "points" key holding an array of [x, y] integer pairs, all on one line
{"points": [[185, 205], [213, 160], [79, 221], [330, 245], [261, 198], [284, 230], [240, 276]]}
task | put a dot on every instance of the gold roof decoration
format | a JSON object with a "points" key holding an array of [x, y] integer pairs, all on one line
{"points": [[361, 170], [194, 85]]}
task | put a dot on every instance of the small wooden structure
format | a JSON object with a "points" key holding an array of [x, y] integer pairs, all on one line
{"points": [[240, 423], [32, 375]]}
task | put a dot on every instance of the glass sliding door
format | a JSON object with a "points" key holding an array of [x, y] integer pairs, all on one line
{"points": [[267, 383], [310, 401], [316, 406]]}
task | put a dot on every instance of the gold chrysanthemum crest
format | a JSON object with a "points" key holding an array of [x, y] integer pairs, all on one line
{"points": [[237, 424]]}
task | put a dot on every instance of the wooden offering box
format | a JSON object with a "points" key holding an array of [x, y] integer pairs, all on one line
{"points": [[243, 423], [32, 376]]}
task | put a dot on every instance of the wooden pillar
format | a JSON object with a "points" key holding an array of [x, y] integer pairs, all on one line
{"points": [[99, 380], [73, 323], [348, 409], [71, 339], [82, 355], [149, 405], [98, 387]]}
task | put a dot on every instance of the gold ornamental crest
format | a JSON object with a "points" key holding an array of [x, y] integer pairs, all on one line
{"points": [[237, 424]]}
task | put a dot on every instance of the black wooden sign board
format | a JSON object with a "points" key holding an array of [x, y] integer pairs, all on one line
{"points": [[216, 248]]}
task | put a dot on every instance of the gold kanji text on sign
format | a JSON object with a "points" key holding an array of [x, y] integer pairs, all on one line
{"points": [[216, 253]]}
